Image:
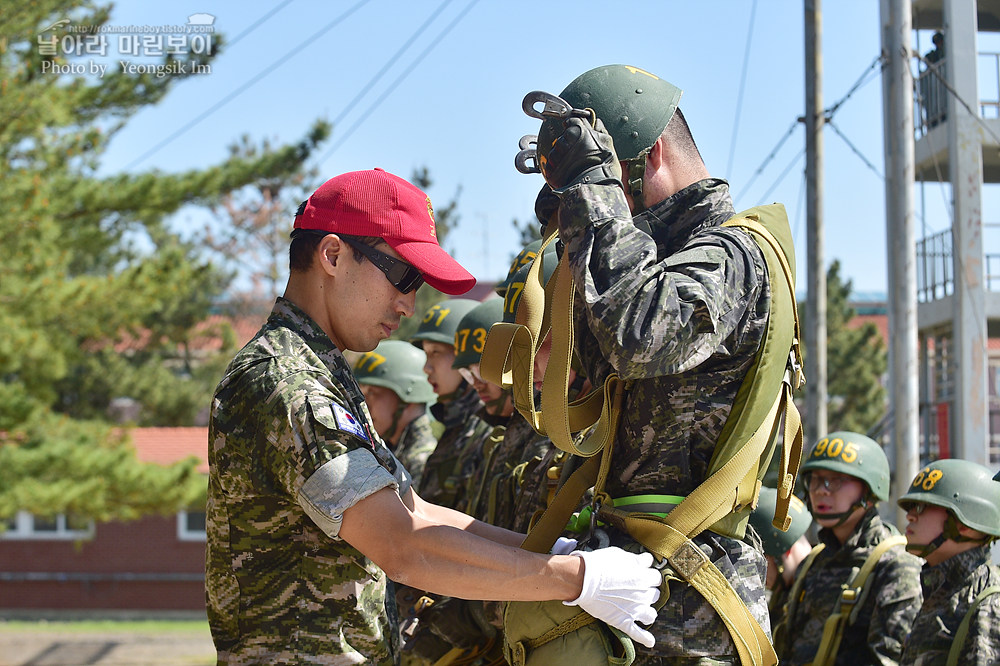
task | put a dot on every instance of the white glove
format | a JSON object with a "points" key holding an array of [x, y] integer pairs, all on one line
{"points": [[620, 588], [563, 546]]}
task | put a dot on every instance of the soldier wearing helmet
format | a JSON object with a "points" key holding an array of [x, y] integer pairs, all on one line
{"points": [[668, 299], [953, 515], [458, 451], [846, 475], [784, 550], [392, 380]]}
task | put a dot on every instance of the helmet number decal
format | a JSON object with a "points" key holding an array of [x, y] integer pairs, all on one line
{"points": [[513, 296], [927, 478], [835, 448], [369, 361], [478, 340], [436, 312]]}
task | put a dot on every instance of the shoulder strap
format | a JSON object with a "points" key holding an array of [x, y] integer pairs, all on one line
{"points": [[851, 599], [800, 575], [963, 629]]}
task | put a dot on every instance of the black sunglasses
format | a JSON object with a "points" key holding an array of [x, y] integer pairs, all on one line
{"points": [[403, 276]]}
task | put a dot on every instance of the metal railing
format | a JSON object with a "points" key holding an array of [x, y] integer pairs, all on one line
{"points": [[930, 94], [935, 267]]}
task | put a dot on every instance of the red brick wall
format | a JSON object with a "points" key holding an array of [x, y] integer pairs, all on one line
{"points": [[148, 546]]}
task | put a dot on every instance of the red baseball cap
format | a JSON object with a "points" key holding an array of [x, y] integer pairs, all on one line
{"points": [[378, 203]]}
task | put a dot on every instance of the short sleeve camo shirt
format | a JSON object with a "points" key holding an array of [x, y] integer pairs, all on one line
{"points": [[291, 447]]}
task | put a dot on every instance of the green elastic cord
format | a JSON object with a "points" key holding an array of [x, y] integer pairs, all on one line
{"points": [[657, 505]]}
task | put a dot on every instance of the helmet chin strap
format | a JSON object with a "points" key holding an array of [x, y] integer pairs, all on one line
{"points": [[463, 386], [950, 531], [843, 515], [634, 180]]}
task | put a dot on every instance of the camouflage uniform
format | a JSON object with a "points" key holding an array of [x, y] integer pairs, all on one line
{"points": [[777, 598], [887, 615], [291, 447], [449, 468], [949, 590], [677, 306], [452, 622], [416, 443]]}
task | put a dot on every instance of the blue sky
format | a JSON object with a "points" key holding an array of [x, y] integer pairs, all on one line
{"points": [[451, 100]]}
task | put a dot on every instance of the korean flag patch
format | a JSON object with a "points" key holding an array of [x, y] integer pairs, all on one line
{"points": [[347, 422]]}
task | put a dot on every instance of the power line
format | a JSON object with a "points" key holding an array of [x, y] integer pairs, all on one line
{"points": [[392, 86], [781, 176], [256, 24], [773, 153], [739, 96], [254, 79], [389, 63], [854, 148]]}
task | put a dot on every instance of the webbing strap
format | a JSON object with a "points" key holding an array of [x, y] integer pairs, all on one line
{"points": [[852, 597], [508, 361], [963, 629]]}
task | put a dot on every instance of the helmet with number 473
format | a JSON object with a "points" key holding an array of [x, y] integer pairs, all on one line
{"points": [[852, 454], [470, 336], [966, 489]]}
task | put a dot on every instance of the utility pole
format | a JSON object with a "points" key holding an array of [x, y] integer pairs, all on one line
{"points": [[816, 394], [897, 90]]}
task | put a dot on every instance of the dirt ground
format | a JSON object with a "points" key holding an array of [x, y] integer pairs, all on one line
{"points": [[47, 648]]}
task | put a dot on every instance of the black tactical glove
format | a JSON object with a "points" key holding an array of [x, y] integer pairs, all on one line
{"points": [[582, 154], [546, 205]]}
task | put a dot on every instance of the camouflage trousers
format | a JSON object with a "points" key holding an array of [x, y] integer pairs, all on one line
{"points": [[644, 660]]}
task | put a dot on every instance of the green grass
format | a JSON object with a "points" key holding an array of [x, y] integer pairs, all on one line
{"points": [[106, 626]]}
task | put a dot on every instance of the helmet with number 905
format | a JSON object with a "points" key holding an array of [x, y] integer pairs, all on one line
{"points": [[470, 336], [852, 454], [441, 320], [399, 366], [967, 489]]}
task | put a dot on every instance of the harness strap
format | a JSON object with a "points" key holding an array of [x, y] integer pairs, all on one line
{"points": [[963, 629], [852, 598]]}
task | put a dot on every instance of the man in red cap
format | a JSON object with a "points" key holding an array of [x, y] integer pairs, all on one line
{"points": [[309, 514]]}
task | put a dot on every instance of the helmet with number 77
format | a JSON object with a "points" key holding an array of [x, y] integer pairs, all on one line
{"points": [[398, 366], [966, 489], [852, 454]]}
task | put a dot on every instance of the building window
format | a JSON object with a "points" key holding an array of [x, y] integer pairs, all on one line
{"points": [[60, 527], [191, 525]]}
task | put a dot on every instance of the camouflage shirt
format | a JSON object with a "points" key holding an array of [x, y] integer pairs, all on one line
{"points": [[449, 468], [415, 446], [678, 306], [502, 473], [949, 589], [886, 617], [291, 447]]}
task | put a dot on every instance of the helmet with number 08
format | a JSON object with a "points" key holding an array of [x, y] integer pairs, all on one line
{"points": [[470, 336], [852, 454], [966, 489]]}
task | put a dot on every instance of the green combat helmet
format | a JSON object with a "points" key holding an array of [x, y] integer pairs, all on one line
{"points": [[966, 489], [776, 543], [515, 282], [635, 107], [441, 320], [398, 366], [470, 336], [523, 258], [854, 455]]}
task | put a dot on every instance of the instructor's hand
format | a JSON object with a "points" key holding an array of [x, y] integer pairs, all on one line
{"points": [[582, 154], [620, 588]]}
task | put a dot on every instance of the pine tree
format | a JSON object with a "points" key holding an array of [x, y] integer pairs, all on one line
{"points": [[88, 263]]}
